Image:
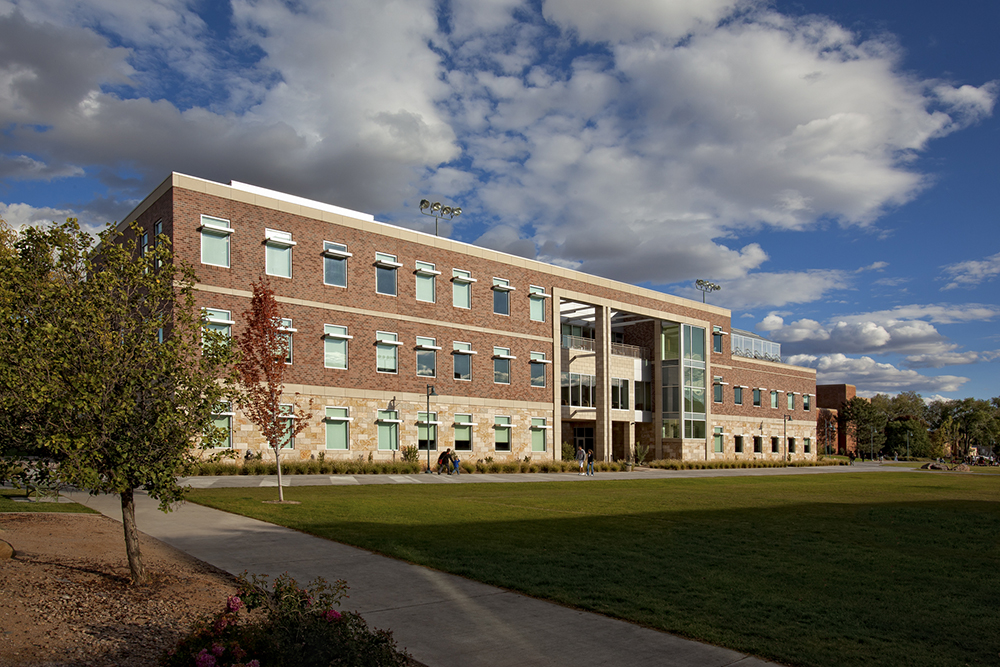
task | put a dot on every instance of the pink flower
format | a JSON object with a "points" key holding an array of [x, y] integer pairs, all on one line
{"points": [[218, 650], [221, 624], [234, 604], [332, 615], [204, 659], [254, 663]]}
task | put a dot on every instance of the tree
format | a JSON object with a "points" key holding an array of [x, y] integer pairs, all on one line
{"points": [[117, 388], [263, 348], [826, 431], [865, 423], [908, 436]]}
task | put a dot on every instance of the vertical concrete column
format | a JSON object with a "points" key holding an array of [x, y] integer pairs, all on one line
{"points": [[602, 352], [556, 377], [657, 389]]}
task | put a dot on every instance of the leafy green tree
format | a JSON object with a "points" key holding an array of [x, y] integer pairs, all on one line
{"points": [[263, 348], [866, 423], [908, 435], [114, 386]]}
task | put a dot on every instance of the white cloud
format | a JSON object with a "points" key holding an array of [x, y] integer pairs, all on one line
{"points": [[19, 216], [972, 273], [949, 359], [870, 376]]}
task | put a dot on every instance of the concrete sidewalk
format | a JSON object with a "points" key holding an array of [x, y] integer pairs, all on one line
{"points": [[443, 620]]}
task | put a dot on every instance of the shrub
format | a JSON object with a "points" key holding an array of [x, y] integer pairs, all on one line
{"points": [[410, 453], [289, 626]]}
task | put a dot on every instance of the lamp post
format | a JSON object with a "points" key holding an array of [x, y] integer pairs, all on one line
{"points": [[427, 425], [705, 286], [439, 211]]}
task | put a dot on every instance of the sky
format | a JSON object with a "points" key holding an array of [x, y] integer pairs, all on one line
{"points": [[831, 165]]}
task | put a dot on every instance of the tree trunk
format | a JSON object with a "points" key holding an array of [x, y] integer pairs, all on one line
{"points": [[135, 565], [277, 458]]}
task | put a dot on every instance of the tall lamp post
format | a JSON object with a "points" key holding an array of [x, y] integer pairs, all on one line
{"points": [[705, 286], [427, 425], [439, 211]]}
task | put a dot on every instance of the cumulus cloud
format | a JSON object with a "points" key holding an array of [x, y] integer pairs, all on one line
{"points": [[19, 216], [870, 376], [971, 273], [949, 359]]}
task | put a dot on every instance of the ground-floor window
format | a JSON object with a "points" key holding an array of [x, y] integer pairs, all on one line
{"points": [[538, 434], [337, 428], [757, 445], [717, 438], [738, 444], [806, 445], [463, 433], [791, 445], [501, 431], [388, 430], [427, 431], [775, 445]]}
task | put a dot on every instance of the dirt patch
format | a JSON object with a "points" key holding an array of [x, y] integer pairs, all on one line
{"points": [[66, 599]]}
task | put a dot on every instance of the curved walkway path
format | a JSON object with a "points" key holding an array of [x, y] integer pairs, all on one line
{"points": [[442, 619]]}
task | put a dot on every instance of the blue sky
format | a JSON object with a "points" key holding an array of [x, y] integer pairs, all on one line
{"points": [[829, 164]]}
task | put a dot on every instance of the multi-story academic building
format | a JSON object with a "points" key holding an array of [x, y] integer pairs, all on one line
{"points": [[513, 356]]}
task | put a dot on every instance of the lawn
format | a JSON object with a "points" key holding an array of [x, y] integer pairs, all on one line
{"points": [[9, 505], [850, 569]]}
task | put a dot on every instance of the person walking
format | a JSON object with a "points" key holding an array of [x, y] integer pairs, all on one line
{"points": [[455, 461], [581, 456], [590, 462]]}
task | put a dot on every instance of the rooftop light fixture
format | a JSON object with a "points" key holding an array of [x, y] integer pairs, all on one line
{"points": [[705, 287], [439, 211]]}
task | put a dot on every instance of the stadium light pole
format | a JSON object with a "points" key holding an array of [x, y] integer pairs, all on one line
{"points": [[438, 211], [706, 286]]}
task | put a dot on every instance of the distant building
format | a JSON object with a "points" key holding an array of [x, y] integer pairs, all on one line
{"points": [[830, 398], [521, 355]]}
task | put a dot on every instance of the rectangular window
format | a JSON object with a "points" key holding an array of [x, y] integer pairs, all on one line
{"points": [[717, 390], [737, 395], [775, 445], [338, 425], [538, 363], [619, 394], [223, 421], [538, 428], [537, 297], [774, 399], [791, 445], [790, 397], [388, 430], [806, 402], [501, 365], [501, 296], [286, 333], [644, 396], [335, 264], [462, 356], [501, 433], [335, 346], [756, 398], [717, 439], [427, 431], [757, 445], [738, 444], [427, 357], [385, 273], [426, 275], [463, 433], [461, 288], [386, 352], [278, 253], [717, 340], [807, 445], [287, 413], [218, 321], [157, 230], [215, 233]]}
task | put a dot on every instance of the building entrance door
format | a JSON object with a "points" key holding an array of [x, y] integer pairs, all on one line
{"points": [[584, 436]]}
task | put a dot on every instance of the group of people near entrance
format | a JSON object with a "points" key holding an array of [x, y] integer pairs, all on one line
{"points": [[448, 462], [586, 458]]}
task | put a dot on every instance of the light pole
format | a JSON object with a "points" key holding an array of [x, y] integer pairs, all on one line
{"points": [[427, 425], [705, 287], [438, 211]]}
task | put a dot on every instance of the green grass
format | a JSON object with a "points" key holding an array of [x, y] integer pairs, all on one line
{"points": [[849, 569], [8, 505]]}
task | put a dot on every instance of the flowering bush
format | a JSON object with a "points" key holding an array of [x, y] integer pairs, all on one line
{"points": [[285, 625]]}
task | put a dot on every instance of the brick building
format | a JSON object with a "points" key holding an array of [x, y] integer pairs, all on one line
{"points": [[521, 355]]}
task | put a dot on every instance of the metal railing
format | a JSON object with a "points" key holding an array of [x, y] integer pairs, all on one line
{"points": [[617, 349]]}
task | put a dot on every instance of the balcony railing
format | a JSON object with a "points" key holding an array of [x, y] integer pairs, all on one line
{"points": [[577, 343], [617, 349]]}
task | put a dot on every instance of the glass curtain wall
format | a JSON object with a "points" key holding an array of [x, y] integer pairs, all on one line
{"points": [[684, 383]]}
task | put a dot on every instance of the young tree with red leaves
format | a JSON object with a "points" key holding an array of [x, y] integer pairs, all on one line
{"points": [[263, 349]]}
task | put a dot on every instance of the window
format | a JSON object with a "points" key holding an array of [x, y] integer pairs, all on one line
{"points": [[791, 445], [461, 288], [388, 430], [278, 253], [717, 439], [427, 357], [385, 352], [335, 264], [501, 365], [427, 431], [338, 426], [738, 444], [644, 396], [619, 394], [335, 346], [717, 340], [806, 402], [157, 230], [501, 434], [538, 363], [790, 397], [223, 421], [580, 390], [737, 395], [538, 428], [426, 276], [217, 321], [806, 445], [537, 297], [717, 389], [287, 413], [757, 444], [501, 296], [462, 356], [756, 398], [215, 234], [286, 333], [463, 433], [774, 399], [774, 445], [144, 244], [385, 273]]}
